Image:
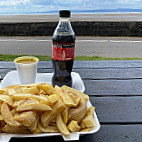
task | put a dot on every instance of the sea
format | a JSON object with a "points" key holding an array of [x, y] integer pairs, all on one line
{"points": [[97, 11]]}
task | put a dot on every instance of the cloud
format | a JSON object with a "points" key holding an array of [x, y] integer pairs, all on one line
{"points": [[129, 2], [9, 3], [137, 0], [21, 6]]}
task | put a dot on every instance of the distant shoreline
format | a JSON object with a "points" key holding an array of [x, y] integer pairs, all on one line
{"points": [[77, 11], [111, 17], [82, 13]]}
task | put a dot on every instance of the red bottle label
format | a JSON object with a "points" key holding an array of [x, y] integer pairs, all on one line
{"points": [[63, 51]]}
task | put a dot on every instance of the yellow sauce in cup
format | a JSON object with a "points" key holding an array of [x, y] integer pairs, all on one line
{"points": [[26, 60]]}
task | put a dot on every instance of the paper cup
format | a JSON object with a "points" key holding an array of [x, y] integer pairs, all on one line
{"points": [[27, 69]]}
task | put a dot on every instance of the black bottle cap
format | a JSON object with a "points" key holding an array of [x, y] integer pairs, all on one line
{"points": [[64, 13]]}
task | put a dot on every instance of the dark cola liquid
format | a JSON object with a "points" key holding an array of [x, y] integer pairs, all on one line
{"points": [[62, 69]]}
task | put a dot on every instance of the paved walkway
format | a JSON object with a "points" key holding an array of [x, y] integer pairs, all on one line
{"points": [[85, 46]]}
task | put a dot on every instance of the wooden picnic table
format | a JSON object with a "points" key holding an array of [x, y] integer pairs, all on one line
{"points": [[115, 89]]}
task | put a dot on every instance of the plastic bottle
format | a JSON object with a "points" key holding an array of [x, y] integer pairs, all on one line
{"points": [[63, 46]]}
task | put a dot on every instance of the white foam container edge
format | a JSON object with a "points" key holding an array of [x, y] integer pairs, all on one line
{"points": [[11, 78]]}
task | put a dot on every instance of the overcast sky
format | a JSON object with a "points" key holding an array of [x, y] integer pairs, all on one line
{"points": [[22, 6]]}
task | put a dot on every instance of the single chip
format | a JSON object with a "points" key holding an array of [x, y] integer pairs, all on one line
{"points": [[13, 89], [25, 101], [7, 116], [47, 117], [88, 121], [7, 99], [82, 125], [75, 99], [51, 129], [28, 119], [61, 125], [27, 96], [19, 97], [31, 85], [30, 90], [53, 98], [64, 96], [77, 113], [16, 103], [65, 114], [90, 111], [71, 90], [45, 100], [15, 130], [48, 88], [73, 126], [36, 107], [42, 92]]}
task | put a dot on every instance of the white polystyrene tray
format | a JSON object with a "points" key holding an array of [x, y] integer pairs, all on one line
{"points": [[12, 78]]}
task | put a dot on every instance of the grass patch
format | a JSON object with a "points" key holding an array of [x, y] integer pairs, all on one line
{"points": [[98, 58], [9, 57], [77, 58]]}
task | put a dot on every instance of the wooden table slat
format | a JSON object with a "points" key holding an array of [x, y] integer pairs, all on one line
{"points": [[113, 87], [122, 109], [86, 64], [96, 74]]}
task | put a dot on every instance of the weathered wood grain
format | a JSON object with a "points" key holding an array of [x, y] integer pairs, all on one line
{"points": [[86, 64], [118, 109], [96, 74], [114, 87]]}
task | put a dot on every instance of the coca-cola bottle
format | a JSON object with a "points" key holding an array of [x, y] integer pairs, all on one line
{"points": [[63, 46]]}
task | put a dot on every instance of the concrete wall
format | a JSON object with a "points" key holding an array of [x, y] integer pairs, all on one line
{"points": [[82, 28]]}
